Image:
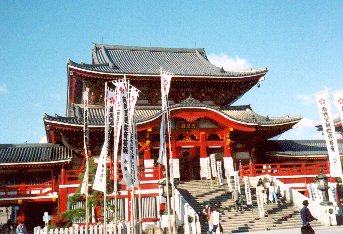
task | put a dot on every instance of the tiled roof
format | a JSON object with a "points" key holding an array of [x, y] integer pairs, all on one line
{"points": [[149, 60], [297, 147], [242, 114], [33, 153]]}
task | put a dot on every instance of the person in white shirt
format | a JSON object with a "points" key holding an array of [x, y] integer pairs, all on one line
{"points": [[216, 220], [272, 193]]}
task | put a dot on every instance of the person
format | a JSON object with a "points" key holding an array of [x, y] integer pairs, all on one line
{"points": [[216, 220], [235, 198], [207, 211], [272, 193], [306, 218], [266, 190], [21, 229]]}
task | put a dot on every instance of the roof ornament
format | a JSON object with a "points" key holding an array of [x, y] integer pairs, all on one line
{"points": [[191, 101], [260, 80]]}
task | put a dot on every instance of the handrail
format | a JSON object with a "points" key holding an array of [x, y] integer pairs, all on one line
{"points": [[186, 213]]}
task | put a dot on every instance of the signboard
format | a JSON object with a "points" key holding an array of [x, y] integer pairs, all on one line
{"points": [[247, 190], [204, 167], [220, 172], [213, 165], [186, 126]]}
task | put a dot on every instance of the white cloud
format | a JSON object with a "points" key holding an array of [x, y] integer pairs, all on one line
{"points": [[306, 99], [3, 88], [304, 130], [228, 63]]}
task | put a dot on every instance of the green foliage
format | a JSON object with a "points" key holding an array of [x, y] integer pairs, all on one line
{"points": [[95, 198]]}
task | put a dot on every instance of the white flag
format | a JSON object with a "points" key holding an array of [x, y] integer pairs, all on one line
{"points": [[323, 103], [117, 125], [338, 101], [99, 180], [84, 185]]}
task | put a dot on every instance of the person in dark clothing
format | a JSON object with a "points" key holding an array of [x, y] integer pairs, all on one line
{"points": [[306, 218]]}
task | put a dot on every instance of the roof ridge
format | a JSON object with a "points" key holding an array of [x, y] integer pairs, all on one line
{"points": [[148, 48]]}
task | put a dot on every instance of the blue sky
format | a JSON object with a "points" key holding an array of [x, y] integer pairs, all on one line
{"points": [[299, 41]]}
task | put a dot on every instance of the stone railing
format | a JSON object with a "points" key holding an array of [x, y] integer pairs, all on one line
{"points": [[188, 216], [326, 215]]}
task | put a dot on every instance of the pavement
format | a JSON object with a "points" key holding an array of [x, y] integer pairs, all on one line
{"points": [[318, 230]]}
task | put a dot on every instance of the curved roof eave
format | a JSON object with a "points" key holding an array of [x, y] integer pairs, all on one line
{"points": [[294, 121], [258, 72]]}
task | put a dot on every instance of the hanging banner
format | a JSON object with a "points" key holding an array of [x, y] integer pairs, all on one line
{"points": [[220, 172], [126, 140], [117, 125], [247, 190], [162, 158], [260, 198], [176, 168], [204, 167], [133, 96], [213, 165], [332, 192], [84, 185], [228, 166], [229, 181], [236, 181], [99, 180], [338, 101], [312, 191], [323, 103]]}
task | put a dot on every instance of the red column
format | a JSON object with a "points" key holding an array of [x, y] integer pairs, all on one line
{"points": [[203, 151]]}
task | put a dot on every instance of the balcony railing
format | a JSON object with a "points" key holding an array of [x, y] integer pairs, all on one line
{"points": [[285, 169]]}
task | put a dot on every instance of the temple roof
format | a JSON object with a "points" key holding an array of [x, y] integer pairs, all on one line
{"points": [[242, 114], [296, 148], [149, 60], [33, 154]]}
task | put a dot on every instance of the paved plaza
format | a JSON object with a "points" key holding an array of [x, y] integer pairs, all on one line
{"points": [[318, 230]]}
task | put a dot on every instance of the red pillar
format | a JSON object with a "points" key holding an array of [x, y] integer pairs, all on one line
{"points": [[203, 151]]}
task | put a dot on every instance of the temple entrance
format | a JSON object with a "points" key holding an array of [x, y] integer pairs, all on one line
{"points": [[34, 214], [189, 164]]}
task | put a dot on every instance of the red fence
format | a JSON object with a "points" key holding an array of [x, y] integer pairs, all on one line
{"points": [[26, 190], [285, 169]]}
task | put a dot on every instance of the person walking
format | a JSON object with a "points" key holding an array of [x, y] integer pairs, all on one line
{"points": [[235, 198], [21, 229], [216, 221], [272, 193], [306, 218], [207, 211]]}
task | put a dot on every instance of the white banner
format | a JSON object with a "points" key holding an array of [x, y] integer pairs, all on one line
{"points": [[126, 140], [332, 192], [228, 166], [338, 101], [133, 96], [220, 172], [247, 190], [84, 185], [99, 180], [260, 200], [236, 181], [213, 165], [323, 103], [203, 167], [117, 125], [176, 168]]}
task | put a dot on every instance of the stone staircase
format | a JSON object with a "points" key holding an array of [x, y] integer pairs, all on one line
{"points": [[280, 216]]}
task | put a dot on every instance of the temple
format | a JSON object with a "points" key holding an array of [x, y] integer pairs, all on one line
{"points": [[204, 121]]}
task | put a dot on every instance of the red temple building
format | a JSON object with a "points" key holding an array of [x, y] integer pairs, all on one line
{"points": [[41, 177]]}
